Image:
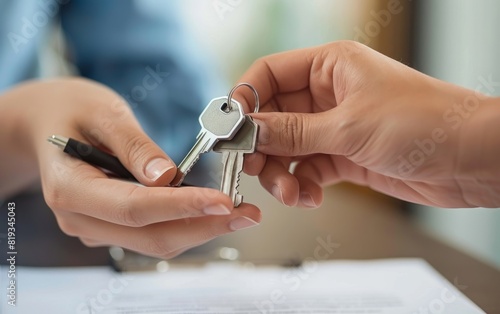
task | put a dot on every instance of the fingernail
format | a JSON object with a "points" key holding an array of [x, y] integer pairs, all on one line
{"points": [[263, 136], [307, 200], [242, 223], [157, 167], [276, 191], [216, 210]]}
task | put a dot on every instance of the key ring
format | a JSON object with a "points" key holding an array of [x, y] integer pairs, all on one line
{"points": [[230, 96]]}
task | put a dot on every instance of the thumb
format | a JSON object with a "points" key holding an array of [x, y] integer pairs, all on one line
{"points": [[142, 157], [295, 134]]}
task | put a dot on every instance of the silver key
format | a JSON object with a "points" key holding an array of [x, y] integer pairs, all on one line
{"points": [[217, 123], [233, 151]]}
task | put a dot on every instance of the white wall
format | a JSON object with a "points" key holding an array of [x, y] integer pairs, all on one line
{"points": [[459, 41]]}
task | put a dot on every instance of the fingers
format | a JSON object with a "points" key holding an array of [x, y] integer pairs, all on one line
{"points": [[296, 134], [299, 189], [277, 180], [110, 123], [165, 239], [274, 74], [311, 193], [310, 189], [127, 204], [139, 154], [158, 221], [303, 188], [303, 80], [254, 163], [149, 164], [313, 173]]}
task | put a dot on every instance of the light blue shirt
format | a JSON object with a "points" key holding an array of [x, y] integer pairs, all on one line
{"points": [[138, 48]]}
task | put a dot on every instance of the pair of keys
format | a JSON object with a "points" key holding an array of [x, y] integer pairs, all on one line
{"points": [[227, 130]]}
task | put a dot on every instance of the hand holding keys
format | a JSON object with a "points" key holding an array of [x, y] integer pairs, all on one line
{"points": [[224, 129]]}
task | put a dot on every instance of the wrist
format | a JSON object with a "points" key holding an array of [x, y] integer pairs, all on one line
{"points": [[18, 162]]}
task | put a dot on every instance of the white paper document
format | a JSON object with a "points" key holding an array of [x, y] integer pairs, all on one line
{"points": [[378, 286]]}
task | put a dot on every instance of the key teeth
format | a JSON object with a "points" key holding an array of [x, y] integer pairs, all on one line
{"points": [[238, 198], [237, 183]]}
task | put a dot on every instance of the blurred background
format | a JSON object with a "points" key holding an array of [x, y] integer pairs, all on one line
{"points": [[453, 40]]}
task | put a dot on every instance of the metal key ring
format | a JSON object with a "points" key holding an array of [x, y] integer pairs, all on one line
{"points": [[230, 96]]}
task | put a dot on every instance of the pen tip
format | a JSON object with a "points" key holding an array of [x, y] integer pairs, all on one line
{"points": [[58, 140]]}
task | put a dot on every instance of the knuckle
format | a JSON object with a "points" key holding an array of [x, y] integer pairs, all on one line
{"points": [[189, 207], [129, 210], [59, 188], [212, 231], [351, 44], [354, 132], [68, 227], [291, 135], [261, 62], [186, 211], [136, 149], [348, 47], [131, 216], [54, 187], [346, 123], [157, 246], [54, 197], [193, 205], [263, 66]]}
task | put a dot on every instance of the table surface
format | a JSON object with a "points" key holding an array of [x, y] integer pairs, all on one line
{"points": [[476, 279]]}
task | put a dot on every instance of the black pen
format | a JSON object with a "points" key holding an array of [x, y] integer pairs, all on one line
{"points": [[93, 156]]}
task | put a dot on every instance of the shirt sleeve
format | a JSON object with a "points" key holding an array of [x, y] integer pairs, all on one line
{"points": [[142, 51]]}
